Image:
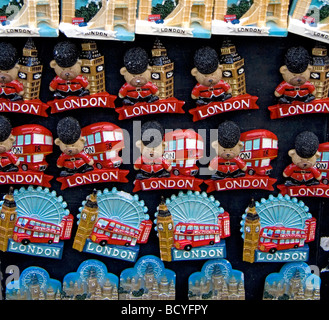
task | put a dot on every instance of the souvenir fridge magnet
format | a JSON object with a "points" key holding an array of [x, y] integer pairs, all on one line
{"points": [[75, 85], [277, 230], [91, 281], [29, 18], [221, 85], [245, 18], [191, 226], [309, 19], [35, 222], [20, 80], [99, 19], [147, 280], [216, 281], [167, 161], [303, 177], [23, 150], [94, 157], [243, 160], [34, 283], [112, 224], [303, 89], [295, 281], [168, 18], [149, 84]]}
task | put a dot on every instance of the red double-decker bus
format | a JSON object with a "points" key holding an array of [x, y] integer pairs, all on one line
{"points": [[104, 141], [260, 146], [272, 239], [183, 148], [108, 231], [33, 142], [28, 230], [322, 163], [190, 235]]}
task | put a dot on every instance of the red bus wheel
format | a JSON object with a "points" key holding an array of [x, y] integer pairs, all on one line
{"points": [[98, 165], [211, 243], [176, 172], [103, 243], [188, 247], [127, 244], [272, 250], [24, 167], [25, 241], [50, 241]]}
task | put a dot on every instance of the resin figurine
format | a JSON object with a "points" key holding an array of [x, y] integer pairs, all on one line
{"points": [[67, 66], [302, 171], [208, 73], [137, 73], [10, 87], [151, 163], [70, 141], [296, 73], [8, 160], [227, 164]]}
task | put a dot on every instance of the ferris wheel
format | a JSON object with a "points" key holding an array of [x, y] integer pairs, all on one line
{"points": [[40, 203], [194, 207], [121, 206]]}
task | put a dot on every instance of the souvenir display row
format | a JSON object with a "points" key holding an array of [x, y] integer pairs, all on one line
{"points": [[189, 226], [120, 20]]}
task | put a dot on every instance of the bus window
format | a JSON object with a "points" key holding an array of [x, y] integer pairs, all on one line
{"points": [[201, 227], [172, 145], [267, 143], [325, 156], [189, 238], [189, 228], [38, 138], [275, 144], [49, 140], [98, 138], [181, 238], [183, 228], [275, 241], [196, 238], [281, 241], [199, 144], [110, 154], [256, 144], [19, 140], [196, 227], [108, 136], [100, 231], [265, 162], [90, 139], [118, 135], [114, 235], [201, 237], [178, 228], [190, 143], [180, 144], [27, 139], [248, 145], [189, 163], [37, 157]]}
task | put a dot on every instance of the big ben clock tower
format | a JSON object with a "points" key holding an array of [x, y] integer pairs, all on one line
{"points": [[87, 221], [165, 226], [7, 220], [251, 233]]}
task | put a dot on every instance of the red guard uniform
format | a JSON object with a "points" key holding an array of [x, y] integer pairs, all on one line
{"points": [[73, 85], [202, 91], [227, 166], [73, 162], [7, 158], [130, 91], [151, 166], [301, 175], [11, 88], [295, 92]]}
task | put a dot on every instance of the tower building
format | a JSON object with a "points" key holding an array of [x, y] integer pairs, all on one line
{"points": [[87, 221], [8, 216], [251, 233], [233, 68], [165, 226], [30, 72], [320, 71], [93, 66], [162, 70]]}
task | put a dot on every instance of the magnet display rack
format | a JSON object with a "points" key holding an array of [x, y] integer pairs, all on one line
{"points": [[263, 58]]}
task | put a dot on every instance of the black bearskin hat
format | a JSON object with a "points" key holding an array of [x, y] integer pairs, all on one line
{"points": [[136, 60], [306, 144], [152, 133], [8, 56], [297, 59], [66, 54], [206, 60], [68, 130], [5, 128], [228, 134]]}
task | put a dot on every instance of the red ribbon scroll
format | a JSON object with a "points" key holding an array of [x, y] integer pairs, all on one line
{"points": [[94, 176], [97, 100], [173, 182], [171, 105], [25, 177], [243, 102], [297, 108], [321, 190], [34, 107], [246, 182]]}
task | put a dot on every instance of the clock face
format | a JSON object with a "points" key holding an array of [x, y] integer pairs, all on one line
{"points": [[160, 226], [170, 226], [3, 216], [247, 229]]}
